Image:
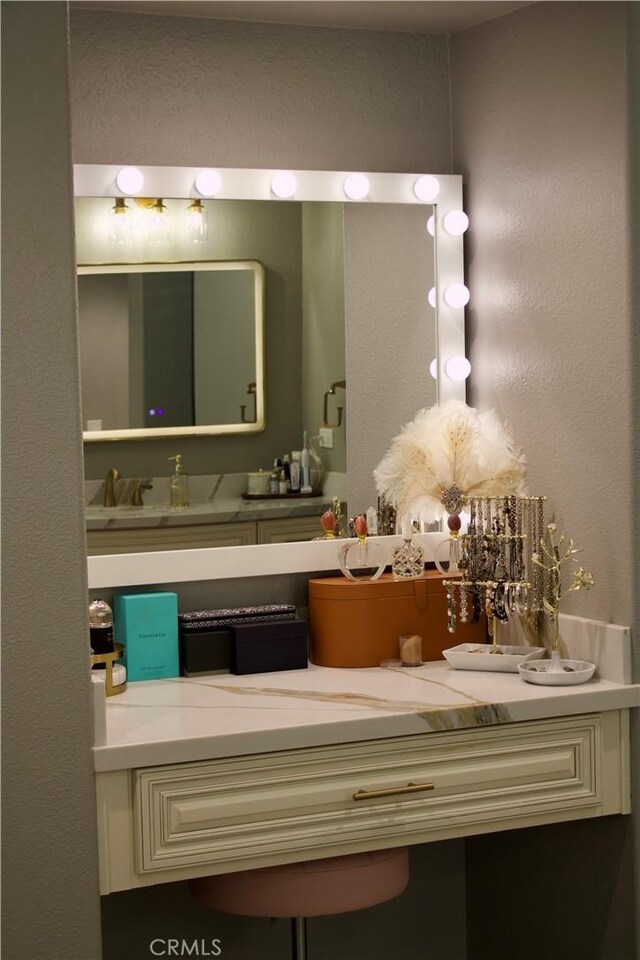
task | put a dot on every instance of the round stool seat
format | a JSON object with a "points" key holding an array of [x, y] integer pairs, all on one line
{"points": [[312, 889]]}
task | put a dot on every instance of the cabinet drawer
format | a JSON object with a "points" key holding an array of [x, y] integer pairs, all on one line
{"points": [[144, 539], [317, 800], [289, 529]]}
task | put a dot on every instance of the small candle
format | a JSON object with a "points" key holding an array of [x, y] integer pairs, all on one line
{"points": [[411, 651]]}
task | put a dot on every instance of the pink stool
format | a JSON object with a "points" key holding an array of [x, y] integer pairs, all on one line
{"points": [[312, 889]]}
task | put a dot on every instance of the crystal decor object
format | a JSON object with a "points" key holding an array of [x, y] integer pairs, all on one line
{"points": [[408, 558], [360, 559]]}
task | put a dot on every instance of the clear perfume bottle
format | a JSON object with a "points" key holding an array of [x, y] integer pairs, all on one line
{"points": [[408, 558], [361, 559]]}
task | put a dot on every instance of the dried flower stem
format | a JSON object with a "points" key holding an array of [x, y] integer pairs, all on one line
{"points": [[551, 559]]}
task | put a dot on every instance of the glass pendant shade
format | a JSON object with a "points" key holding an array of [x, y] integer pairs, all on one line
{"points": [[196, 226]]}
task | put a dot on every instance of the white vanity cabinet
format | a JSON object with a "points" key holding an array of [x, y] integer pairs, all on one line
{"points": [[171, 822]]}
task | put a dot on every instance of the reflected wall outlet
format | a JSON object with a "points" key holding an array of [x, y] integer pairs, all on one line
{"points": [[325, 435]]}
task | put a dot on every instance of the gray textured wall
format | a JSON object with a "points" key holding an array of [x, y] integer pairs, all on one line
{"points": [[539, 121], [539, 126], [633, 61], [182, 91], [49, 860]]}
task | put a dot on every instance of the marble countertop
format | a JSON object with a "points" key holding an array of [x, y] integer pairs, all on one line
{"points": [[175, 721], [220, 510]]}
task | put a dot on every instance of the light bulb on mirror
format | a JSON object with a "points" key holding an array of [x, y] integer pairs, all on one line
{"points": [[455, 222], [356, 186], [431, 297], [456, 295], [431, 226], [433, 368], [158, 229], [458, 368], [426, 188], [208, 183], [196, 227], [130, 180], [284, 185], [120, 222]]}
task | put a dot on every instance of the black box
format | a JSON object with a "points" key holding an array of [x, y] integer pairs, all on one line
{"points": [[204, 651], [266, 647], [205, 635]]}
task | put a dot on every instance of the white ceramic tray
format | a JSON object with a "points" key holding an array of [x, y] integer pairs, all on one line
{"points": [[571, 671], [478, 656]]}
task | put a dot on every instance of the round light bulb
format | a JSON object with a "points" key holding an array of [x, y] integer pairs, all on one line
{"points": [[458, 368], [431, 226], [431, 297], [208, 183], [433, 368], [455, 222], [457, 295], [356, 186], [426, 188], [130, 180], [284, 185]]}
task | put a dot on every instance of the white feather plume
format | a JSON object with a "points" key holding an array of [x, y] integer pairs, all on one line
{"points": [[445, 446]]}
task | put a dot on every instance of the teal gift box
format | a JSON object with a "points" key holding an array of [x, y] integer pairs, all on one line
{"points": [[147, 625]]}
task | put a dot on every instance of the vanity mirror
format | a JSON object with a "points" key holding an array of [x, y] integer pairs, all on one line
{"points": [[392, 332], [171, 349]]}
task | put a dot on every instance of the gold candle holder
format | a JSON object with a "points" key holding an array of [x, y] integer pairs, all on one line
{"points": [[109, 659]]}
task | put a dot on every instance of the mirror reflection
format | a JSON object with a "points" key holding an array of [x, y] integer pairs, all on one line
{"points": [[333, 273], [174, 348]]}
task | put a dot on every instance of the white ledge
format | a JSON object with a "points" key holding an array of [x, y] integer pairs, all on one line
{"points": [[224, 563]]}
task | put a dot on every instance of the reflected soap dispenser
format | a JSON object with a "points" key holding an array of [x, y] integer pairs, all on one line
{"points": [[178, 484]]}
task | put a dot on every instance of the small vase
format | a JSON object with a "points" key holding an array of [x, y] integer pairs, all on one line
{"points": [[361, 560]]}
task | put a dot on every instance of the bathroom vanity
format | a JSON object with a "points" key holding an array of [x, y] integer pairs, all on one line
{"points": [[224, 523], [228, 773]]}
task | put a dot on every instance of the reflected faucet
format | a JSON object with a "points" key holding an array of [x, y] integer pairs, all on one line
{"points": [[110, 499], [139, 486]]}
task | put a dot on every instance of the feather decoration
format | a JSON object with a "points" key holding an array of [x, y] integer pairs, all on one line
{"points": [[447, 446]]}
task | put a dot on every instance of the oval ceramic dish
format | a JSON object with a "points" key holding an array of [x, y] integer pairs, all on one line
{"points": [[572, 671], [478, 656]]}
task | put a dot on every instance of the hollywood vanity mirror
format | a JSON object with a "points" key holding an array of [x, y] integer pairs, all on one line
{"points": [[394, 305]]}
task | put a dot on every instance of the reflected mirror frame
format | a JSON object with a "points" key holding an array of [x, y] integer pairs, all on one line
{"points": [[99, 180], [179, 266]]}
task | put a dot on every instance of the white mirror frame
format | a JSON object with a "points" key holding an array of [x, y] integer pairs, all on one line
{"points": [[216, 563]]}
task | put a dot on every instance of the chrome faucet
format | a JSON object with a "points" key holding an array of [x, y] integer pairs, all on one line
{"points": [[139, 486], [110, 499]]}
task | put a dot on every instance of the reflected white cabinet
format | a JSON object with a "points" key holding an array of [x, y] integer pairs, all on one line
{"points": [[143, 539], [159, 824]]}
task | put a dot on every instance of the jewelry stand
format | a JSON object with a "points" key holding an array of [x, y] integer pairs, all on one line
{"points": [[498, 571]]}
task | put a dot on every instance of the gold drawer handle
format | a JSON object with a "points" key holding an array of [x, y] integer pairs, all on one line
{"points": [[393, 791]]}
